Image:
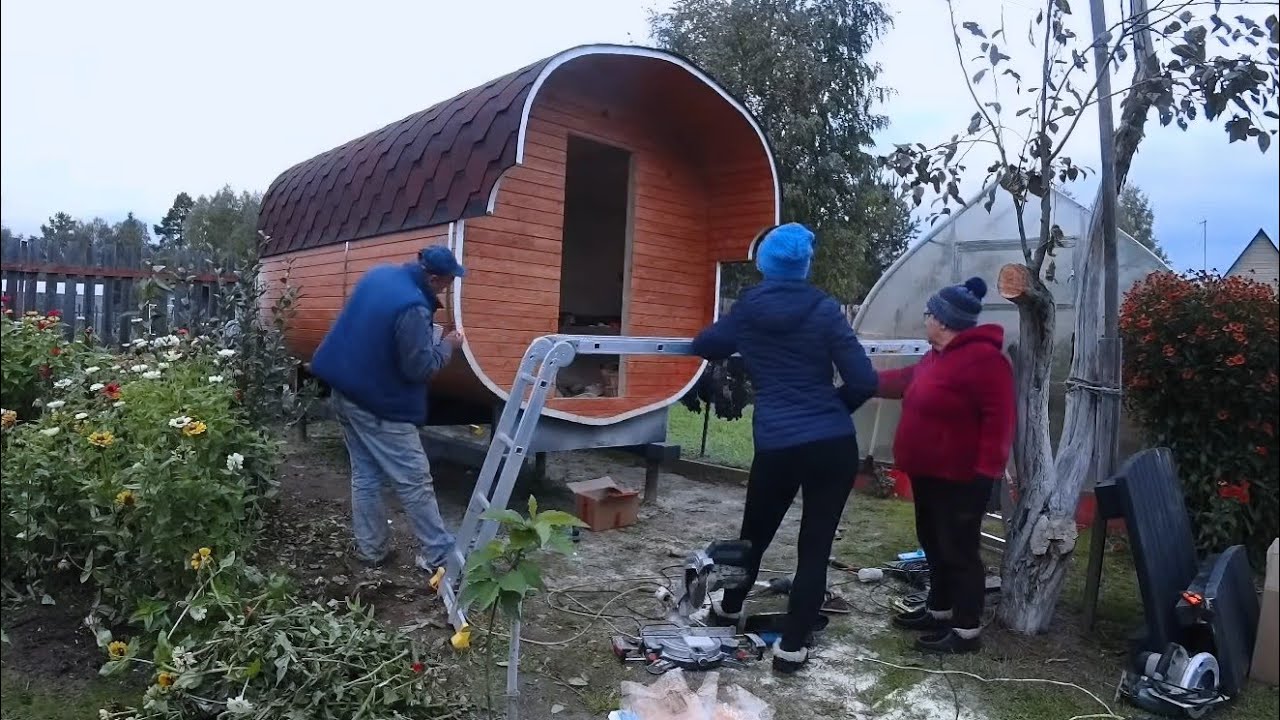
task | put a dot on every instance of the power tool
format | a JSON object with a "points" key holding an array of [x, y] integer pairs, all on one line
{"points": [[721, 566]]}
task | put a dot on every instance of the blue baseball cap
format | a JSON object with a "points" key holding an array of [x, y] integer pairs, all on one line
{"points": [[439, 260]]}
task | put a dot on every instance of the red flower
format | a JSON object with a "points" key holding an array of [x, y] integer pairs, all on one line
{"points": [[1224, 415], [1268, 428], [1238, 492], [417, 668], [45, 371], [1261, 450], [182, 331], [112, 391], [41, 325], [1235, 360], [54, 313], [1169, 351], [56, 351], [5, 299], [1188, 374]]}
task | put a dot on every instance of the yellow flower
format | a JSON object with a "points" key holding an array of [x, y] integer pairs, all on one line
{"points": [[117, 650], [8, 419], [201, 558], [194, 428], [165, 679], [102, 439], [125, 498]]}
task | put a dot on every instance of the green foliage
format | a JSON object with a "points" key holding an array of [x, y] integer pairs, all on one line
{"points": [[241, 646], [224, 225], [170, 233], [34, 355], [801, 67], [133, 463], [1135, 216], [505, 571], [1201, 354]]}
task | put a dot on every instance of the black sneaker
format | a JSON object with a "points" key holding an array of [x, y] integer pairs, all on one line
{"points": [[789, 663], [388, 559], [920, 620], [948, 643]]}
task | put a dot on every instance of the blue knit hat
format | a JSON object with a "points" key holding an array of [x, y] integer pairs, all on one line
{"points": [[957, 306], [439, 260], [785, 253]]}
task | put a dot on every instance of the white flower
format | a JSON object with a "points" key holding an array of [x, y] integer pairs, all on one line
{"points": [[63, 564], [239, 706], [96, 387], [54, 405], [50, 432], [139, 343], [118, 403], [235, 462], [172, 355], [198, 613], [180, 422], [103, 715], [162, 365], [81, 416], [216, 379], [226, 353], [139, 368], [152, 375], [63, 383], [91, 370], [166, 341], [137, 321]]}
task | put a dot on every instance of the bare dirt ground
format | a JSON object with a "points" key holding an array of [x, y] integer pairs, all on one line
{"points": [[567, 667]]}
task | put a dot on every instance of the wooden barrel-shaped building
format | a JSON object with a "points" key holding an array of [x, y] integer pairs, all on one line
{"points": [[595, 192]]}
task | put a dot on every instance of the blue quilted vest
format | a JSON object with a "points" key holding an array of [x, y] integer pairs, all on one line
{"points": [[359, 358]]}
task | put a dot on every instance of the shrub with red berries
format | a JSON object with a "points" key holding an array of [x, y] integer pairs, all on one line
{"points": [[1201, 356]]}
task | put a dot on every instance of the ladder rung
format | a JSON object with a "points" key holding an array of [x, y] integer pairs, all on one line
{"points": [[529, 377], [482, 501], [505, 439]]}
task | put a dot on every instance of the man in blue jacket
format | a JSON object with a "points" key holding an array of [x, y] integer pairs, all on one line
{"points": [[378, 358], [790, 336]]}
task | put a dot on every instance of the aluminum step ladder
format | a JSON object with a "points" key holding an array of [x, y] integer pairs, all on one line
{"points": [[515, 427], [513, 432]]}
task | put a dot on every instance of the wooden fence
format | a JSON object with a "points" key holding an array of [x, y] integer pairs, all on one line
{"points": [[100, 287]]}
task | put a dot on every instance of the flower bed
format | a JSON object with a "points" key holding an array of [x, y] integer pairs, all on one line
{"points": [[121, 466], [147, 474]]}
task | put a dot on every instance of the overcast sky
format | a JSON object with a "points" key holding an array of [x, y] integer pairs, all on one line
{"points": [[108, 108]]}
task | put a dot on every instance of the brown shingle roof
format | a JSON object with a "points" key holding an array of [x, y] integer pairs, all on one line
{"points": [[431, 168]]}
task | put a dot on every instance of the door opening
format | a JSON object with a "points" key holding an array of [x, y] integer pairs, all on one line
{"points": [[594, 262]]}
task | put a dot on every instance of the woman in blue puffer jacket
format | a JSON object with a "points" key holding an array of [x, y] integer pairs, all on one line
{"points": [[790, 336]]}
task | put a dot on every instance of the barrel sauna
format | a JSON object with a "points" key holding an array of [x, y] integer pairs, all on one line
{"points": [[596, 192]]}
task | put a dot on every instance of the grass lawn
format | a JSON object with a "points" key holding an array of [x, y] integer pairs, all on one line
{"points": [[728, 441]]}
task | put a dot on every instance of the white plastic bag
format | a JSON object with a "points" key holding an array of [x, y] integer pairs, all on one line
{"points": [[671, 699]]}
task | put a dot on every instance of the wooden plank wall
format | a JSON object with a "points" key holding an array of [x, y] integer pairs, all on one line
{"points": [[324, 277], [513, 292]]}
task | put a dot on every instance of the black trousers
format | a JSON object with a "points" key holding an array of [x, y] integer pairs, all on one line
{"points": [[822, 472], [949, 526]]}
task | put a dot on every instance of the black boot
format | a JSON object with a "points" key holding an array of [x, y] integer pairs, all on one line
{"points": [[719, 618], [789, 663], [920, 620], [948, 642]]}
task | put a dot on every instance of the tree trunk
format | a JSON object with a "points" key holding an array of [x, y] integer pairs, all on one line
{"points": [[1043, 537], [1022, 580]]}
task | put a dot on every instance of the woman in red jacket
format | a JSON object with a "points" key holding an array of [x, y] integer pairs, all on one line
{"points": [[953, 441]]}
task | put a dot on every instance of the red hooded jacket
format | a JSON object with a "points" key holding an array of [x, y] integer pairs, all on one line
{"points": [[958, 410]]}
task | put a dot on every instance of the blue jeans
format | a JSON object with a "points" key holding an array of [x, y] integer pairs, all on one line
{"points": [[389, 453]]}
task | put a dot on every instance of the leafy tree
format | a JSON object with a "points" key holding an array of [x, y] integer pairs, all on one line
{"points": [[131, 234], [801, 67], [1179, 75], [169, 233], [1135, 216], [224, 224]]}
